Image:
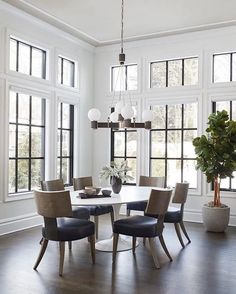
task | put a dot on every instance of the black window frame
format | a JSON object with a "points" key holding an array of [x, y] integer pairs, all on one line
{"points": [[125, 66], [231, 66], [29, 158], [72, 84]]}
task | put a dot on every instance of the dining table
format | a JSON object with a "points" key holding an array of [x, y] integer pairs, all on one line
{"points": [[128, 194]]}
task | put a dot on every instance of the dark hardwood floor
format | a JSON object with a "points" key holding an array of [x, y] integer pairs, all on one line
{"points": [[207, 265]]}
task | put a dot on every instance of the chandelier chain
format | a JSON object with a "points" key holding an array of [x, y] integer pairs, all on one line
{"points": [[122, 26]]}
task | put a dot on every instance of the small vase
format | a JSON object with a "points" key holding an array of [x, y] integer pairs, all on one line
{"points": [[116, 185]]}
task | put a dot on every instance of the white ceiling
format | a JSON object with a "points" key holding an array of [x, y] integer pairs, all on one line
{"points": [[98, 21]]}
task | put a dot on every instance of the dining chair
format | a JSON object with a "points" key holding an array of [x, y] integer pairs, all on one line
{"points": [[149, 226], [175, 215], [94, 210], [145, 181], [59, 224]]}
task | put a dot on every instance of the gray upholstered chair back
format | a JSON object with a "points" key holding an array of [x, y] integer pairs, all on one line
{"points": [[180, 193], [81, 183], [54, 185], [158, 202], [152, 181]]}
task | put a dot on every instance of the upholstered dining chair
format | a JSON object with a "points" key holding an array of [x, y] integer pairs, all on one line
{"points": [[145, 181], [59, 225], [95, 210], [149, 226], [175, 215]]}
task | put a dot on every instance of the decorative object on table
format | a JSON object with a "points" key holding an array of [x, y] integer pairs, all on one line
{"points": [[106, 192], [92, 190], [118, 173], [124, 115], [216, 158]]}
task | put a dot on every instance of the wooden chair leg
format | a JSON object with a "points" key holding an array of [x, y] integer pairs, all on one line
{"points": [[44, 245], [144, 241], [41, 241], [179, 234], [184, 231], [70, 245], [112, 218], [133, 244], [92, 247], [115, 244], [152, 244], [163, 244], [96, 225], [128, 212], [62, 255]]}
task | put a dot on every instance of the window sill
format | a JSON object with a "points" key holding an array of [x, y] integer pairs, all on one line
{"points": [[19, 196]]}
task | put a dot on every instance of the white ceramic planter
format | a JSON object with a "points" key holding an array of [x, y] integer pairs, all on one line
{"points": [[215, 219]]}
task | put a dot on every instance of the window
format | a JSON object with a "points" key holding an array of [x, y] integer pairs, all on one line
{"points": [[27, 59], [65, 142], [124, 147], [66, 72], [171, 151], [173, 73], [224, 67], [124, 78], [26, 142], [227, 184]]}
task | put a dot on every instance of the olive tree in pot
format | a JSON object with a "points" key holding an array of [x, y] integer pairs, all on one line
{"points": [[216, 158]]}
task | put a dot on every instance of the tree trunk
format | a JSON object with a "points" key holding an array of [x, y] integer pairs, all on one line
{"points": [[217, 192]]}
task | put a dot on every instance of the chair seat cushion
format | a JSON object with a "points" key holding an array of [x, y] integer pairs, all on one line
{"points": [[140, 205], [137, 226], [173, 215], [80, 212], [69, 229], [99, 209]]}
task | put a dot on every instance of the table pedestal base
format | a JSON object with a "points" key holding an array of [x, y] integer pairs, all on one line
{"points": [[124, 243]]}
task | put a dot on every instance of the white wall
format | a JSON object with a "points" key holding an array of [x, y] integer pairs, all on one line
{"points": [[19, 212], [201, 44]]}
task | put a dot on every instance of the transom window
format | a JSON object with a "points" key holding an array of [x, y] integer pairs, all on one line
{"points": [[124, 147], [26, 142], [66, 72], [227, 184], [224, 67], [124, 78], [173, 73], [27, 59], [171, 151], [65, 142]]}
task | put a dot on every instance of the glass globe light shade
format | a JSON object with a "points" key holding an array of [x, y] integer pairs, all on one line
{"points": [[114, 116], [147, 115], [118, 106], [127, 112], [94, 114]]}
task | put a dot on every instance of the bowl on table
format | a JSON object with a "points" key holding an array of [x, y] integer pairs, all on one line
{"points": [[92, 190], [106, 192]]}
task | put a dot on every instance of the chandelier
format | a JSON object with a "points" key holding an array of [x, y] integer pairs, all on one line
{"points": [[123, 115]]}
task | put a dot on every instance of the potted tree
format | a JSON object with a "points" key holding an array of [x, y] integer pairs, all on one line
{"points": [[216, 158]]}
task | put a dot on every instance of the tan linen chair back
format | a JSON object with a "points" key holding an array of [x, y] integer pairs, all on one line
{"points": [[158, 202], [81, 183], [53, 204], [152, 181], [180, 193], [54, 185]]}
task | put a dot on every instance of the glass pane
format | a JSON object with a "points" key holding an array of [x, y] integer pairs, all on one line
{"points": [[157, 168], [118, 78], [188, 145], [36, 142], [191, 71], [234, 110], [158, 143], [12, 107], [224, 184], [132, 173], [58, 168], [24, 59], [65, 116], [173, 172], [37, 111], [190, 115], [158, 74], [59, 70], [65, 170], [23, 175], [174, 116], [12, 141], [23, 108], [174, 73], [221, 68], [12, 176], [58, 143], [223, 105], [131, 146], [119, 144], [68, 73], [174, 144], [234, 67], [23, 141], [65, 143], [13, 54], [233, 181], [132, 77], [190, 173], [37, 63], [159, 117], [36, 173]]}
